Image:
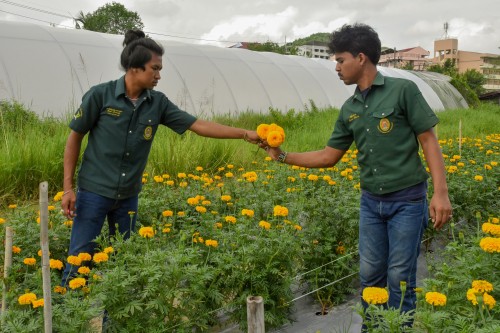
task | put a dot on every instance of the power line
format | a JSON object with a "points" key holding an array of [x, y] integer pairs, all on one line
{"points": [[32, 18], [35, 9]]}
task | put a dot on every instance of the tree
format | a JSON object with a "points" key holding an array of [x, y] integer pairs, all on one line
{"points": [[111, 18], [272, 47]]}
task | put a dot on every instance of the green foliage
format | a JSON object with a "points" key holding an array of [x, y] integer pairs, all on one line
{"points": [[469, 84], [112, 18], [323, 37], [270, 46]]}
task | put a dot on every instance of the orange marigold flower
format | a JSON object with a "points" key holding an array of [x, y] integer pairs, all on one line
{"points": [[167, 213], [275, 139], [108, 250], [26, 299], [77, 283], [247, 212], [29, 261], [60, 290], [56, 264], [280, 211], [38, 302], [146, 232], [482, 285], [100, 257], [74, 260], [262, 131], [435, 298], [265, 225], [84, 256], [16, 249]]}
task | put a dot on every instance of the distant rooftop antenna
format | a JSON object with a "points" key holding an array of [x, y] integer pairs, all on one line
{"points": [[445, 30]]}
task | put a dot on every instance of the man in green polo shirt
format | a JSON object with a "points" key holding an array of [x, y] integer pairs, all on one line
{"points": [[387, 118], [121, 118]]}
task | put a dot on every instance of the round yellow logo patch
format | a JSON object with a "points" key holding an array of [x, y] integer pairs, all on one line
{"points": [[148, 132], [385, 125]]}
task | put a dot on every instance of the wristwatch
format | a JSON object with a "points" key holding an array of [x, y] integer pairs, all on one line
{"points": [[282, 156]]}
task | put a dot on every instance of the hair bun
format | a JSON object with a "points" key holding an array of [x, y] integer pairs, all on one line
{"points": [[132, 35]]}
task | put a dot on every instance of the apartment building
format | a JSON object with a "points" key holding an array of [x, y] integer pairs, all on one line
{"points": [[486, 63], [314, 50]]}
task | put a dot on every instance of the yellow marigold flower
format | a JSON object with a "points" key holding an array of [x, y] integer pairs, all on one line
{"points": [[201, 209], [265, 225], [456, 157], [488, 300], [108, 250], [490, 228], [51, 208], [12, 206], [211, 242], [482, 285], [84, 270], [490, 244], [84, 256], [170, 182], [181, 214], [297, 227], [60, 290], [280, 211], [193, 201], [478, 178], [77, 283], [146, 232], [275, 139], [74, 260], [58, 196], [29, 261], [100, 257], [144, 180], [16, 249], [225, 197], [2, 221], [68, 223], [247, 212], [181, 175], [230, 166], [313, 177], [435, 298], [165, 230], [262, 131], [495, 220], [375, 295], [229, 175], [38, 220], [494, 163], [230, 219], [199, 168], [218, 225], [26, 299], [461, 164], [452, 169], [56, 264], [332, 182], [158, 179], [206, 202], [487, 167]]}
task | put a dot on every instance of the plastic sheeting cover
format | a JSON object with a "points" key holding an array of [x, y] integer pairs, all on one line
{"points": [[49, 69]]}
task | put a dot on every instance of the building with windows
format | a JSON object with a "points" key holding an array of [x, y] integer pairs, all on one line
{"points": [[414, 58], [314, 50], [486, 63]]}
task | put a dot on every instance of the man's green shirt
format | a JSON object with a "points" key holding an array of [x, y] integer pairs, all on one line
{"points": [[120, 136], [385, 127]]}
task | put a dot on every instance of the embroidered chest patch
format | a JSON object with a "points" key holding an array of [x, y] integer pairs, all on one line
{"points": [[148, 132], [385, 125]]}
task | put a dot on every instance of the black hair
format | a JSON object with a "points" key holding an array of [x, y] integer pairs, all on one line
{"points": [[138, 50], [356, 39]]}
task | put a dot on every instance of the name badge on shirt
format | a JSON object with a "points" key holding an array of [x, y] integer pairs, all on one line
{"points": [[385, 125], [148, 132]]}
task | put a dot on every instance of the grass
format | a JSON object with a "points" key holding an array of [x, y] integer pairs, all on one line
{"points": [[31, 147]]}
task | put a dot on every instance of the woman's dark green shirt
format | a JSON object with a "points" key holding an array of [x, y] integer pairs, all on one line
{"points": [[120, 136], [385, 127]]}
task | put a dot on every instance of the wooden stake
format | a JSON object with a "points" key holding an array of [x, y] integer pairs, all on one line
{"points": [[460, 137], [255, 314], [44, 242], [6, 268]]}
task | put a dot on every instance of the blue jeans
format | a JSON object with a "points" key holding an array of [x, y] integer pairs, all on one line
{"points": [[91, 211], [389, 244]]}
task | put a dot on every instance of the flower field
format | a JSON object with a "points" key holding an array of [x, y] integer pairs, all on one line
{"points": [[207, 241]]}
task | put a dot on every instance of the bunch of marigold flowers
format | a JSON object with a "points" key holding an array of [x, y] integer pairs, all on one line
{"points": [[272, 133]]}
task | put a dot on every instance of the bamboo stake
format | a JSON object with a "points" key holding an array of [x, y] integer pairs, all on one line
{"points": [[255, 314], [44, 242], [6, 268], [460, 137]]}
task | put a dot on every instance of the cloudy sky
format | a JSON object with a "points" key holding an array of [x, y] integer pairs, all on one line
{"points": [[400, 23]]}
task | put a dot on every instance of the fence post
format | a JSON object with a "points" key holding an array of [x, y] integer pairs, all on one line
{"points": [[44, 242], [6, 268], [255, 314]]}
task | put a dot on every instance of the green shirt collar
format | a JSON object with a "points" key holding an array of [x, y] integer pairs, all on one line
{"points": [[378, 81], [120, 89]]}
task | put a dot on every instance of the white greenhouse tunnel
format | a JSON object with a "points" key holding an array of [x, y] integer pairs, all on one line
{"points": [[49, 69]]}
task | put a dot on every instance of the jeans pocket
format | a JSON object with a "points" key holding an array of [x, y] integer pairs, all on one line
{"points": [[416, 201]]}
